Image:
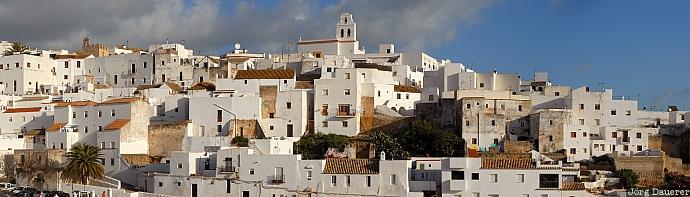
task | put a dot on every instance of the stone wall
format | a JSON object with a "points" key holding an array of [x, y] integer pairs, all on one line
{"points": [[514, 147], [164, 139], [366, 119], [268, 100]]}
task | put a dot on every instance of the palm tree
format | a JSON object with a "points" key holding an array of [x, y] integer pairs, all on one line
{"points": [[83, 162], [17, 47]]}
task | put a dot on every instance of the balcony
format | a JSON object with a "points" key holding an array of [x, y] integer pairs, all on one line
{"points": [[227, 169], [346, 113], [278, 179]]}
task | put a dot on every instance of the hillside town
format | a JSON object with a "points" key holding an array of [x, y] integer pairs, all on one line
{"points": [[329, 119]]}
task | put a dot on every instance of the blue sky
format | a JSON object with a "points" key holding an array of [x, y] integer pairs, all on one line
{"points": [[638, 48]]}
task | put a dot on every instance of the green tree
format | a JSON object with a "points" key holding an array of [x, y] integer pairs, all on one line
{"points": [[314, 146], [240, 141], [83, 162], [17, 47], [628, 177], [426, 138], [389, 145]]}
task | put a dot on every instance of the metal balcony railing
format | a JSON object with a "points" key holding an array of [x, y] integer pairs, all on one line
{"points": [[278, 179]]}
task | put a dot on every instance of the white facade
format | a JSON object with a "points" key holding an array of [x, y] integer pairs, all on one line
{"points": [[27, 74]]}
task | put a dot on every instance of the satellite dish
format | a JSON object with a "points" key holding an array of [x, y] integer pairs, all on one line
{"points": [[237, 46]]}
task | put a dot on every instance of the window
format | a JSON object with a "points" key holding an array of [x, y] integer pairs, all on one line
{"points": [[344, 123], [112, 161], [550, 122], [431, 97], [474, 140], [614, 134], [86, 129], [65, 77], [179, 165], [573, 151], [66, 64], [639, 148], [582, 121], [393, 179], [100, 113], [475, 176], [324, 92], [347, 91], [347, 180], [112, 112], [160, 184], [520, 178], [556, 93], [550, 138], [597, 106], [493, 195], [100, 128], [638, 135], [134, 68], [271, 115], [519, 107], [284, 81], [368, 181], [582, 106], [584, 134], [289, 105], [74, 114], [613, 112], [597, 122], [219, 116], [493, 122], [334, 181], [102, 145], [548, 181], [347, 75], [112, 144], [324, 123], [324, 109], [219, 128], [481, 85], [457, 175], [251, 171], [573, 134], [467, 123], [270, 127], [493, 178], [625, 147], [628, 113], [378, 93], [398, 96], [407, 96], [86, 114]]}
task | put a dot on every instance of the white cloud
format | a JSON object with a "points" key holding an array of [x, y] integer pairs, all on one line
{"points": [[208, 26]]}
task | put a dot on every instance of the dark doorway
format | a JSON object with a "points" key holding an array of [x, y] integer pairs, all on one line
{"points": [[194, 191], [290, 130]]}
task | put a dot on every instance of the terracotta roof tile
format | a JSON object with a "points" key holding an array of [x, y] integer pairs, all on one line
{"points": [[238, 59], [573, 186], [304, 85], [120, 100], [351, 166], [137, 159], [32, 98], [508, 163], [265, 74], [144, 87], [22, 110], [203, 86], [173, 86], [35, 133], [401, 88], [56, 126], [73, 56], [75, 103], [116, 124]]}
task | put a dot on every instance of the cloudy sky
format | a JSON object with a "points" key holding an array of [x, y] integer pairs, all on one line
{"points": [[640, 49]]}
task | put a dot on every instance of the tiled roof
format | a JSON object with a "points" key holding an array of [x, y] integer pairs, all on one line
{"points": [[304, 85], [351, 166], [55, 126], [75, 103], [121, 100], [238, 59], [22, 110], [116, 124], [265, 74], [174, 86], [32, 98], [137, 159], [508, 163], [73, 56], [35, 132], [144, 87], [373, 65], [573, 186], [401, 88], [203, 86]]}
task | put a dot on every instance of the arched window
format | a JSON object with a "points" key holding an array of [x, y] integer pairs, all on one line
{"points": [[345, 20], [348, 32], [342, 33]]}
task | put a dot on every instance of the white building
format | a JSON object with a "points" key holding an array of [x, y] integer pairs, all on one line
{"points": [[27, 74], [67, 68]]}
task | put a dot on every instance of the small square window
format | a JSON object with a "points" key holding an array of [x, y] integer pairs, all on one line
{"points": [[520, 178], [475, 176], [347, 91], [493, 178], [344, 123], [638, 135], [289, 105]]}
